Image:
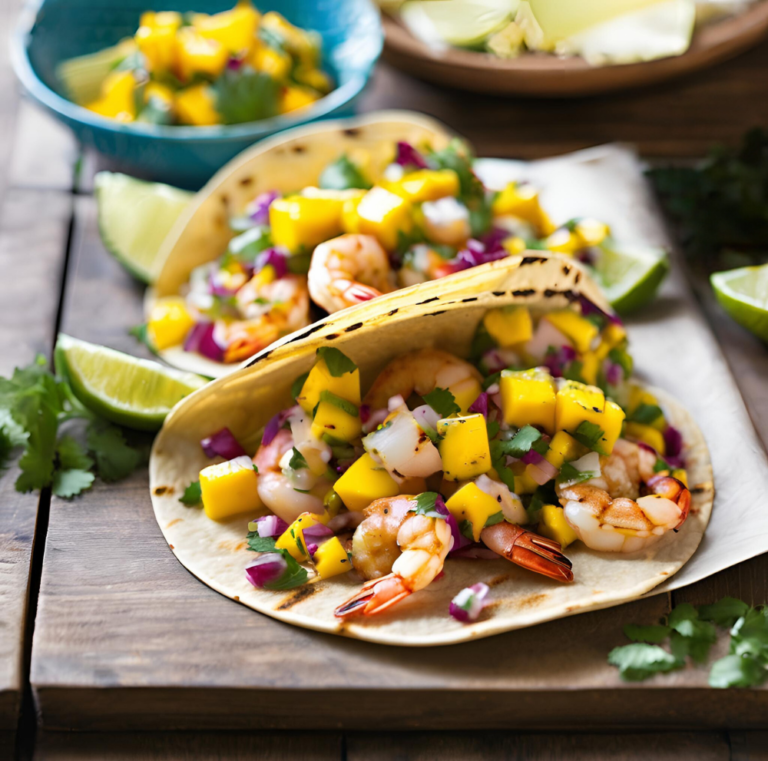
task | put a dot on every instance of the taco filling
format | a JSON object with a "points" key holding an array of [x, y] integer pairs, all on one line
{"points": [[539, 440], [351, 239]]}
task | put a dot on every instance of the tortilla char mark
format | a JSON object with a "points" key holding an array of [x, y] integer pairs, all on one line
{"points": [[302, 593]]}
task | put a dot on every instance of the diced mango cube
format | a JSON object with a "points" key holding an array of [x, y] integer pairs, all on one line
{"points": [[384, 215], [196, 105], [639, 396], [522, 200], [471, 503], [528, 398], [229, 488], [301, 222], [563, 241], [331, 559], [295, 40], [465, 393], [269, 60], [577, 403], [681, 475], [464, 447], [169, 322], [514, 245], [580, 330], [292, 539], [524, 483], [117, 99], [554, 525], [564, 448], [156, 39], [426, 185], [293, 98], [197, 55], [314, 78], [590, 365], [591, 232], [234, 29], [509, 325], [347, 386], [647, 434], [330, 420], [364, 481]]}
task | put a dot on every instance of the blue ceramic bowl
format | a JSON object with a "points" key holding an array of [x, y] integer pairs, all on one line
{"points": [[53, 31]]}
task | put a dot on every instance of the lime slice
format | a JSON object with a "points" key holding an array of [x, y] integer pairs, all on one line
{"points": [[464, 23], [136, 393], [743, 293], [134, 218], [629, 275], [82, 77]]}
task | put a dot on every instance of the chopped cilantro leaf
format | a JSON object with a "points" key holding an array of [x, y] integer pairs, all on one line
{"points": [[589, 434], [298, 384], [426, 504], [569, 475], [343, 174], [260, 543], [338, 364], [520, 444], [337, 401], [623, 359], [465, 527], [192, 496], [442, 401], [141, 334], [646, 413], [660, 465], [493, 427], [491, 379], [297, 461], [298, 264], [494, 519], [6, 447], [294, 575], [245, 95], [574, 370]]}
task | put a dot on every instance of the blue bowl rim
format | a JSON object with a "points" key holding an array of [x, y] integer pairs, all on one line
{"points": [[32, 83]]}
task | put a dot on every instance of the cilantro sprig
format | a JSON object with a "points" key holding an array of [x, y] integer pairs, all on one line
{"points": [[336, 361], [64, 445], [442, 401]]}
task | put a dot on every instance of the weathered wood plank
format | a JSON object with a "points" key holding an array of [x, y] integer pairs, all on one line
{"points": [[749, 746], [490, 746], [675, 119], [195, 746], [33, 233]]}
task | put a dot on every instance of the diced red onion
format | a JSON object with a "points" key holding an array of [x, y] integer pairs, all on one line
{"points": [[223, 444], [647, 447], [480, 405], [200, 339], [493, 361], [276, 258], [542, 472], [588, 307], [258, 209], [270, 525], [469, 603], [675, 462], [587, 256], [216, 289], [365, 413], [407, 155], [475, 551], [459, 540], [558, 360], [426, 417], [234, 63], [317, 530], [266, 569], [475, 254], [673, 441], [494, 238], [274, 425], [311, 549], [614, 373]]}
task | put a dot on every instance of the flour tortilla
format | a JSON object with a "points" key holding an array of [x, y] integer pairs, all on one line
{"points": [[288, 162], [443, 314]]}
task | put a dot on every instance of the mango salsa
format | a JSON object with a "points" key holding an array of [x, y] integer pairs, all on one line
{"points": [[197, 54], [196, 106], [169, 322], [346, 386], [302, 222], [554, 525], [528, 398], [464, 447], [332, 421], [292, 539], [294, 98], [117, 99], [229, 488], [233, 29], [509, 325], [575, 327], [647, 434], [426, 185], [384, 215], [564, 448], [522, 201], [470, 503], [364, 482], [639, 396], [331, 559], [577, 403]]}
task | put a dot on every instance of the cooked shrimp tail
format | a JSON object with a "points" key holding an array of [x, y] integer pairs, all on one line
{"points": [[528, 550], [376, 596]]}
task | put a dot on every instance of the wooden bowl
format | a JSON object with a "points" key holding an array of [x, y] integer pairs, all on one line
{"points": [[546, 76]]}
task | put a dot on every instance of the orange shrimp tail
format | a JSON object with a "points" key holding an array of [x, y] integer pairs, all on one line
{"points": [[529, 550], [674, 490], [357, 292], [375, 597]]}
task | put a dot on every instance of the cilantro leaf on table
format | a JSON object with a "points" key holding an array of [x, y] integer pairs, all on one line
{"points": [[71, 455], [442, 401], [193, 495], [245, 95], [115, 459], [725, 612], [343, 174], [654, 634], [6, 448], [69, 483], [639, 661], [736, 671], [336, 361]]}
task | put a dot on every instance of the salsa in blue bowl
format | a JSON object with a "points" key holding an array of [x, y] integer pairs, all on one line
{"points": [[54, 31]]}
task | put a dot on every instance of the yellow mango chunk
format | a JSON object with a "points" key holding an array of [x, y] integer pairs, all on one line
{"points": [[269, 60], [681, 475], [471, 503], [426, 185], [591, 232], [117, 99], [528, 398], [563, 241], [197, 55], [647, 434], [364, 481], [229, 488], [575, 327], [314, 78], [195, 105], [293, 98], [509, 325], [590, 365], [295, 40], [515, 245], [331, 559], [524, 483], [522, 200], [234, 29], [169, 322], [384, 215], [464, 447], [347, 386], [554, 525], [292, 539], [465, 393], [301, 222], [564, 448], [639, 396], [577, 403], [156, 39], [330, 420]]}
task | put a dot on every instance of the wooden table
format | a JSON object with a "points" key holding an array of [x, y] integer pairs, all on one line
{"points": [[120, 628]]}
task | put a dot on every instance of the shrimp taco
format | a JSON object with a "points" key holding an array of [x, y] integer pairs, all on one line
{"points": [[447, 462], [326, 217]]}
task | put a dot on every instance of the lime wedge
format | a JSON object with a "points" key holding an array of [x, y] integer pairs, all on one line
{"points": [[743, 293], [134, 218], [629, 275], [136, 393], [464, 23], [82, 77]]}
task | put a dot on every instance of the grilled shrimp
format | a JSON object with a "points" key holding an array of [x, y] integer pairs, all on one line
{"points": [[423, 371], [412, 546], [348, 270]]}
